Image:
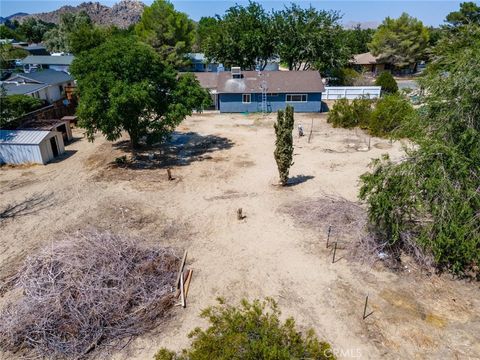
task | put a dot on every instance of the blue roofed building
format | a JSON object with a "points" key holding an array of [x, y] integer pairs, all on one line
{"points": [[54, 62], [254, 91]]}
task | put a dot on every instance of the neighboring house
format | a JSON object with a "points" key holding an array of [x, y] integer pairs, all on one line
{"points": [[29, 146], [199, 63], [253, 91], [59, 63], [35, 49], [47, 84], [366, 62]]}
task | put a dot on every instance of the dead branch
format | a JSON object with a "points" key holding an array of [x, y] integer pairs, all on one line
{"points": [[89, 292]]}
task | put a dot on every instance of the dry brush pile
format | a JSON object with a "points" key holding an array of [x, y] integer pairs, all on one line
{"points": [[90, 291]]}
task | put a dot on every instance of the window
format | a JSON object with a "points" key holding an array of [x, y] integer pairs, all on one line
{"points": [[297, 97], [246, 98]]}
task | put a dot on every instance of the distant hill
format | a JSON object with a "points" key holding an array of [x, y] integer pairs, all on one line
{"points": [[4, 19], [122, 14]]}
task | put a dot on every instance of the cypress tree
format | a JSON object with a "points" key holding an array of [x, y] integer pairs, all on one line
{"points": [[284, 143]]}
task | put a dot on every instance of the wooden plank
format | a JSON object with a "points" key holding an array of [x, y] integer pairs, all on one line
{"points": [[182, 294], [187, 282], [180, 271]]}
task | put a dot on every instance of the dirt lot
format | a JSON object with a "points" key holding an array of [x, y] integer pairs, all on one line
{"points": [[221, 163]]}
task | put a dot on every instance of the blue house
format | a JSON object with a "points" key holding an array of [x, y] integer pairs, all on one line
{"points": [[251, 91]]}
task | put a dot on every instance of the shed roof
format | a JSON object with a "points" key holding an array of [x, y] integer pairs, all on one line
{"points": [[48, 60], [251, 82], [22, 137]]}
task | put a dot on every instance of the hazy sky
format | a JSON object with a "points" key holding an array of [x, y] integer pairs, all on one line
{"points": [[430, 12]]}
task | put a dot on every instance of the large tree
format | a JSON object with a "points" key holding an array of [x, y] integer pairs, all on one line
{"points": [[205, 27], [429, 203], [468, 14], [243, 37], [170, 32], [402, 42], [58, 39], [357, 39], [309, 38], [34, 30], [125, 86]]}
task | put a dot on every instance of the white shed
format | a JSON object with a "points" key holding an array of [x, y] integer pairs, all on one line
{"points": [[30, 146]]}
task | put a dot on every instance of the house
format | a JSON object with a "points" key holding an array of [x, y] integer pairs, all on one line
{"points": [[53, 62], [47, 84], [199, 63], [29, 146], [253, 91], [369, 63]]}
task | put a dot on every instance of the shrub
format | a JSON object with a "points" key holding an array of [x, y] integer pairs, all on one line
{"points": [[350, 114], [13, 106], [250, 331], [387, 82], [284, 143], [344, 77], [390, 113]]}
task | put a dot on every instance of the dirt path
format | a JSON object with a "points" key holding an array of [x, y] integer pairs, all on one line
{"points": [[221, 163]]}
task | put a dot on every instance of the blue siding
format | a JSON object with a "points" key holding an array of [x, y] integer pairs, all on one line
{"points": [[232, 103]]}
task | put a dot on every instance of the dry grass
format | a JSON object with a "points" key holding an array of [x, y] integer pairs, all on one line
{"points": [[90, 291]]}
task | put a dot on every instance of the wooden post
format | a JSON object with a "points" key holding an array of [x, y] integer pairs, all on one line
{"points": [[180, 271], [311, 131], [334, 253], [169, 175], [240, 214], [182, 294], [328, 234], [365, 315]]}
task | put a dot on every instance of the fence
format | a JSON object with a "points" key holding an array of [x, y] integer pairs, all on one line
{"points": [[54, 111], [351, 92]]}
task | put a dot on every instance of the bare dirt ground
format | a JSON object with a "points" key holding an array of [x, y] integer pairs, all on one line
{"points": [[221, 163]]}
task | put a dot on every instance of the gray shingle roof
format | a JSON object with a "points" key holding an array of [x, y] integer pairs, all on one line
{"points": [[23, 89], [48, 60], [277, 82], [47, 76], [22, 137]]}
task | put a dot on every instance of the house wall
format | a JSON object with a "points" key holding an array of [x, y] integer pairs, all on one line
{"points": [[20, 154], [232, 103]]}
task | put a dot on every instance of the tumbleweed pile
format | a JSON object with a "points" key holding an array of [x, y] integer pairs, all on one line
{"points": [[87, 292]]}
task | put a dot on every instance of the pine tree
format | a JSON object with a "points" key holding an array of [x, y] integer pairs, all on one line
{"points": [[284, 143]]}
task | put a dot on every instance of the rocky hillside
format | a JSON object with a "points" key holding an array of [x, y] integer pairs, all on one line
{"points": [[122, 14]]}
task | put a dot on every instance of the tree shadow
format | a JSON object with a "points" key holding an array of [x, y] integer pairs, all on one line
{"points": [[298, 179], [31, 205], [180, 150]]}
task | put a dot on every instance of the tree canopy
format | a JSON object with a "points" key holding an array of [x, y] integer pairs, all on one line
{"points": [[170, 32], [58, 39], [310, 38], [243, 37], [357, 39], [125, 86], [468, 14], [429, 203], [14, 106], [402, 42]]}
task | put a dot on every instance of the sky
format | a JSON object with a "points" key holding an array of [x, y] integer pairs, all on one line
{"points": [[431, 12]]}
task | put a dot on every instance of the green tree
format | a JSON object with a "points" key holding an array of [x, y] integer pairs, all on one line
{"points": [[309, 38], [357, 39], [58, 39], [250, 331], [86, 37], [284, 143], [387, 82], [468, 14], [124, 86], [205, 27], [402, 42], [430, 201], [243, 37], [348, 114], [14, 106], [34, 30], [9, 33], [168, 31], [8, 54]]}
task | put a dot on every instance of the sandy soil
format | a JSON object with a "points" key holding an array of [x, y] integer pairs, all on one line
{"points": [[221, 163]]}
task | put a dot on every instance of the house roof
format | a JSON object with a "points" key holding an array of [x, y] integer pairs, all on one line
{"points": [[22, 89], [47, 77], [48, 60], [22, 137], [42, 124], [251, 82], [365, 59]]}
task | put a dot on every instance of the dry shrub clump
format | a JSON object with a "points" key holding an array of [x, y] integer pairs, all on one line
{"points": [[90, 291]]}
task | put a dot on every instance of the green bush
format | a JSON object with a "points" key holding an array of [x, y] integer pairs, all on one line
{"points": [[387, 82], [344, 77], [348, 114], [284, 143], [390, 113], [250, 331], [13, 106]]}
